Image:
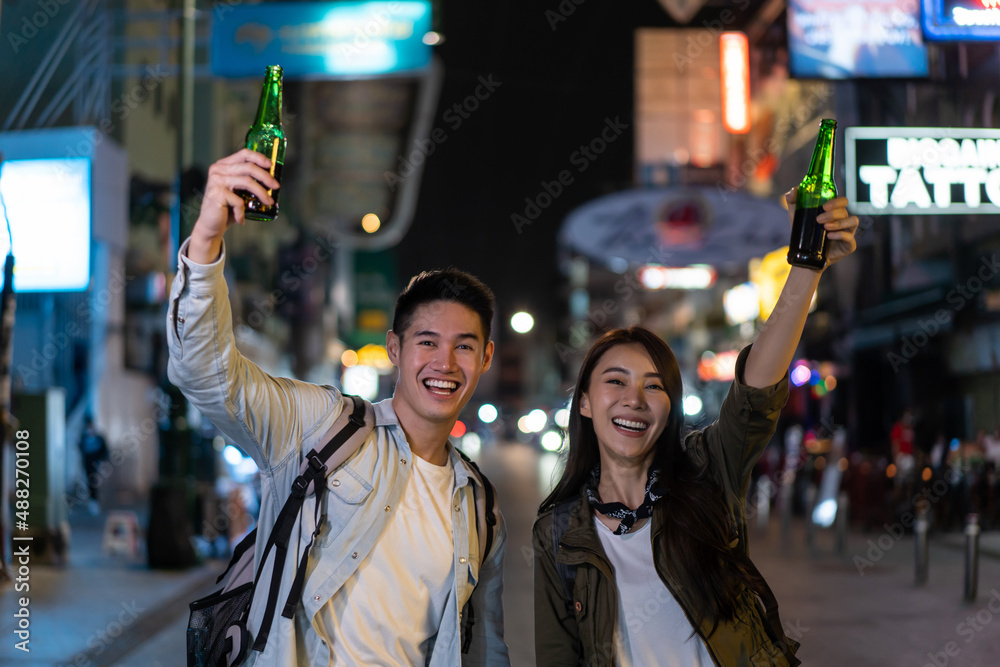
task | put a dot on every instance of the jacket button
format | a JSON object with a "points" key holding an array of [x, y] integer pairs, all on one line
{"points": [[462, 560], [317, 598], [387, 508], [578, 605], [354, 555], [335, 482], [403, 461], [457, 508], [181, 320]]}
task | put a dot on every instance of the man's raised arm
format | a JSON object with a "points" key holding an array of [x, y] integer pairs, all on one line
{"points": [[267, 416]]}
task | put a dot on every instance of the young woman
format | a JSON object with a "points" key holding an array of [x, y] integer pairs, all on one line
{"points": [[641, 549]]}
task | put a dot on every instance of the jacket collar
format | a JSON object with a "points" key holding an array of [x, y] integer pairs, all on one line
{"points": [[386, 416]]}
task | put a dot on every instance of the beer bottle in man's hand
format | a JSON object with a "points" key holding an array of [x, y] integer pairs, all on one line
{"points": [[267, 137], [808, 243]]}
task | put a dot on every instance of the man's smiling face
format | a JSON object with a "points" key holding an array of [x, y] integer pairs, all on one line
{"points": [[440, 357]]}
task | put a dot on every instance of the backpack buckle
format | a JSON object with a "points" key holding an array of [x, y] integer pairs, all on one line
{"points": [[299, 486], [315, 463]]}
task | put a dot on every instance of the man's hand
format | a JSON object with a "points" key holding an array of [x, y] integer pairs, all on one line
{"points": [[840, 226], [221, 207]]}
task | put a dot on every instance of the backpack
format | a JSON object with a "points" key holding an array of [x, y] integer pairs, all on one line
{"points": [[567, 574], [217, 634]]}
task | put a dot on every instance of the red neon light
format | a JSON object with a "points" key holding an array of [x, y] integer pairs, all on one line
{"points": [[734, 62]]}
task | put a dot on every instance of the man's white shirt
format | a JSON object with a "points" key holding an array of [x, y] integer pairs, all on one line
{"points": [[403, 584]]}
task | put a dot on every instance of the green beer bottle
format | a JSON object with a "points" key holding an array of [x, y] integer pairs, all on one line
{"points": [[267, 137], [808, 243]]}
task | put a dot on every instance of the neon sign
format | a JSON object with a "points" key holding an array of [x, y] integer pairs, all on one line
{"points": [[734, 59], [961, 20], [923, 170]]}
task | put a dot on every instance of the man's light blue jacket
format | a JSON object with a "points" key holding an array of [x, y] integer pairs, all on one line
{"points": [[276, 421]]}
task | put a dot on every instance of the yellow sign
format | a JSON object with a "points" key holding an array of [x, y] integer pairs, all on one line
{"points": [[376, 357], [769, 275]]}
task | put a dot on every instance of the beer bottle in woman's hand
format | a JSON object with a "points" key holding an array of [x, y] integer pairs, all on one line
{"points": [[808, 243]]}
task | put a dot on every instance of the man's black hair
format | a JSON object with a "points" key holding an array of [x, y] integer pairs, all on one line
{"points": [[445, 285]]}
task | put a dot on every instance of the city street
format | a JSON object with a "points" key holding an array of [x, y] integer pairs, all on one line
{"points": [[119, 613], [484, 207]]}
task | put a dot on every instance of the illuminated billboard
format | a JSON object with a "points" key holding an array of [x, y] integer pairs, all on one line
{"points": [[321, 39], [919, 171], [839, 39], [961, 20], [48, 205]]}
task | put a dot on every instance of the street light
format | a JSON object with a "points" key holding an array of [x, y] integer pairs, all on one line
{"points": [[488, 413], [522, 322]]}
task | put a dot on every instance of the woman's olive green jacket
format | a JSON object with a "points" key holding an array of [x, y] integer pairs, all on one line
{"points": [[581, 631]]}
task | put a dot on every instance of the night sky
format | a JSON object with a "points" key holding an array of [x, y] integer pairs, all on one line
{"points": [[557, 88]]}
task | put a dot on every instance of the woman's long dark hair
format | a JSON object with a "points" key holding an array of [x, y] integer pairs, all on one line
{"points": [[697, 530]]}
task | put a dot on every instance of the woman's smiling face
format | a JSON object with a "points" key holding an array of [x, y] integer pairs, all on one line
{"points": [[627, 403]]}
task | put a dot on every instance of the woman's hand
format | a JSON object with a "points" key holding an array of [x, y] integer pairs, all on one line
{"points": [[840, 226]]}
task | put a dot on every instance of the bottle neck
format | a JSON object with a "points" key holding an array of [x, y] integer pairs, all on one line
{"points": [[821, 164], [269, 107]]}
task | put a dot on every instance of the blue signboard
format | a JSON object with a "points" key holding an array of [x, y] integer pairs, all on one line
{"points": [[322, 39], [48, 199], [961, 20]]}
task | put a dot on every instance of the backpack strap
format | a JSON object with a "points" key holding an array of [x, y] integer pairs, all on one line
{"points": [[486, 522], [347, 434], [567, 573]]}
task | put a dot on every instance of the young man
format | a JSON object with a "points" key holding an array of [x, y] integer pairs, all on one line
{"points": [[391, 572]]}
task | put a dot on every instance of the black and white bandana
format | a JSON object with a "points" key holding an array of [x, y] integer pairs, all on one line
{"points": [[627, 517]]}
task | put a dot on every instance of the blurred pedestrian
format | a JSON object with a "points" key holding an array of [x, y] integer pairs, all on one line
{"points": [[939, 452], [94, 450], [901, 440], [640, 551], [991, 447]]}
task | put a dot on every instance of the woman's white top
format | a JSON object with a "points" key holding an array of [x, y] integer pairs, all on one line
{"points": [[652, 627]]}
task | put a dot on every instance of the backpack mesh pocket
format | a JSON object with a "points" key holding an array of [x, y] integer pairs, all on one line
{"points": [[208, 642]]}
